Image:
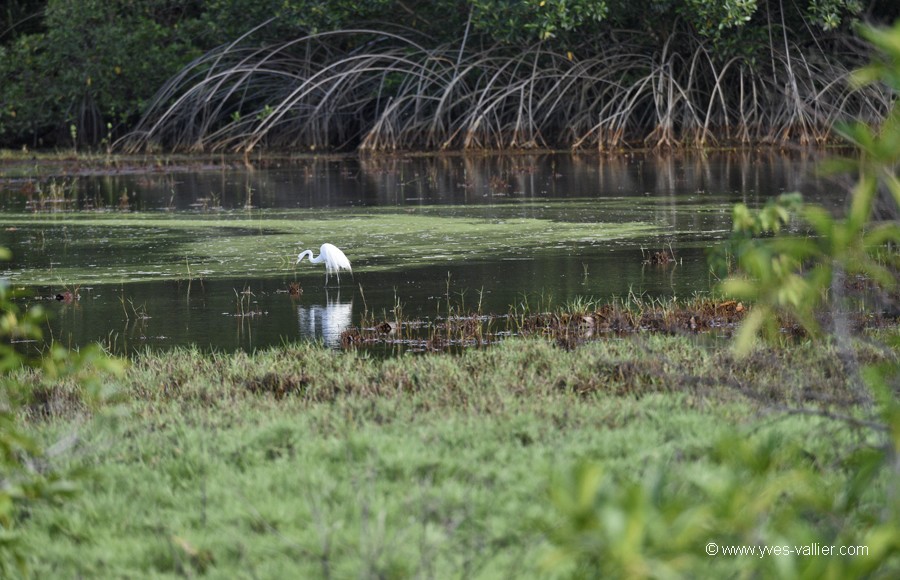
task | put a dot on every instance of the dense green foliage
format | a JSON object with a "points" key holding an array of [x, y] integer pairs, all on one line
{"points": [[83, 72], [24, 480], [91, 70]]}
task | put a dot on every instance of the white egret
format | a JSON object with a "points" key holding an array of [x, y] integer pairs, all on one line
{"points": [[334, 259]]}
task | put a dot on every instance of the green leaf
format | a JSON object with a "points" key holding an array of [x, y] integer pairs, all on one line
{"points": [[820, 219], [746, 335], [861, 202]]}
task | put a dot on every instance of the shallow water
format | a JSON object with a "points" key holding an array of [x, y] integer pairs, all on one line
{"points": [[205, 254]]}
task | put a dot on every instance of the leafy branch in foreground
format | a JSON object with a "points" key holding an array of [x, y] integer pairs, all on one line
{"points": [[767, 492], [23, 481], [760, 493], [799, 275], [796, 276]]}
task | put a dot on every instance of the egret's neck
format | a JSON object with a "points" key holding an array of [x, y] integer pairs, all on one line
{"points": [[309, 254]]}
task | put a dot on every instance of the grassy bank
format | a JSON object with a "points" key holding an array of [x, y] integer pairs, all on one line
{"points": [[302, 462]]}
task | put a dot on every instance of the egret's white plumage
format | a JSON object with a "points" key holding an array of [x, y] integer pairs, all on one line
{"points": [[334, 259]]}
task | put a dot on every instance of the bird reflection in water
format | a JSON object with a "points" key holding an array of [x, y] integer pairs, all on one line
{"points": [[327, 321]]}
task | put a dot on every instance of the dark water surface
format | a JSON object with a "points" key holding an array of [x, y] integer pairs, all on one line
{"points": [[241, 301]]}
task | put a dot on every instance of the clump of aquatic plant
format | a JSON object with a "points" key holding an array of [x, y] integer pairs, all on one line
{"points": [[575, 322], [53, 195], [662, 257], [245, 303]]}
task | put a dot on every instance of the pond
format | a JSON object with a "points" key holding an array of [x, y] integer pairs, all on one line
{"points": [[165, 254]]}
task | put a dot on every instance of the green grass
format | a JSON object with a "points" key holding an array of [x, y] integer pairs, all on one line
{"points": [[303, 462]]}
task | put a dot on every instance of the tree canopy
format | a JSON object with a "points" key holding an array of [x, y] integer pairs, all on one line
{"points": [[84, 71]]}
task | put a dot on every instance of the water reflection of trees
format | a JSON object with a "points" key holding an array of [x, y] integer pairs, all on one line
{"points": [[749, 175]]}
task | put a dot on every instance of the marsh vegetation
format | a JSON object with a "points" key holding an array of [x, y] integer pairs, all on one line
{"points": [[297, 460]]}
